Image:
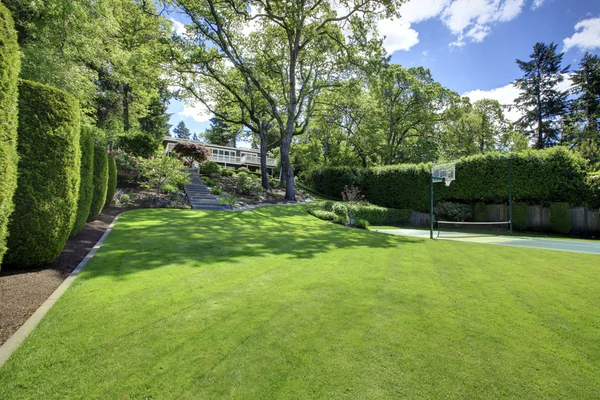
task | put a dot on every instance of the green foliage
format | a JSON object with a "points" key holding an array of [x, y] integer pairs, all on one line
{"points": [[361, 223], [340, 209], [210, 183], [112, 181], [211, 167], [560, 218], [181, 131], [244, 170], [86, 173], [100, 181], [222, 171], [480, 213], [10, 64], [246, 184], [231, 200], [49, 167], [539, 176], [127, 166], [217, 191], [449, 211], [167, 189], [593, 183], [162, 170], [139, 144], [520, 216], [322, 214], [340, 219]]}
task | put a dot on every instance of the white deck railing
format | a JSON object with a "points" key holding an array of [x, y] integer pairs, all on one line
{"points": [[226, 159], [255, 160]]}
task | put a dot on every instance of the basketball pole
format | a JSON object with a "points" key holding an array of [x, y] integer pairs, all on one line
{"points": [[431, 205]]}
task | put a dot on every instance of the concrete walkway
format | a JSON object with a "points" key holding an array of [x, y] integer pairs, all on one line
{"points": [[199, 195], [576, 246]]}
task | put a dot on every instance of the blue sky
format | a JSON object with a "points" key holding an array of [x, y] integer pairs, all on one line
{"points": [[470, 46]]}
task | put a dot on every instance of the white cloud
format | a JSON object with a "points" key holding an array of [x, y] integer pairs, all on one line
{"points": [[398, 35], [197, 111], [536, 4], [506, 95], [179, 27], [420, 10], [586, 36]]}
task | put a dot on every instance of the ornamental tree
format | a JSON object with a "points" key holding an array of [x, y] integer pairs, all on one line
{"points": [[192, 151], [163, 170]]}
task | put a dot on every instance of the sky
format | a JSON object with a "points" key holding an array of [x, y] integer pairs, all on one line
{"points": [[471, 46]]}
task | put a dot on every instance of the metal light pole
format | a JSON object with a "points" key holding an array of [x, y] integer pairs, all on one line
{"points": [[431, 206]]}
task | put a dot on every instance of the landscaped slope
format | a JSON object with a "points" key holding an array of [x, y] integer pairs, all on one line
{"points": [[277, 304]]}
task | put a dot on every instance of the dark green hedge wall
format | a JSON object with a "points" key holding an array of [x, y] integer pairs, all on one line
{"points": [[100, 181], [539, 176], [10, 64], [112, 181], [560, 218], [86, 176], [48, 182], [520, 216]]}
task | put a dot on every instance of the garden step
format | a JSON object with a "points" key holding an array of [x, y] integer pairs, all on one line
{"points": [[199, 195]]}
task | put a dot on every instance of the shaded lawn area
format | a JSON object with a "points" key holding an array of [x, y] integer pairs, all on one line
{"points": [[274, 303]]}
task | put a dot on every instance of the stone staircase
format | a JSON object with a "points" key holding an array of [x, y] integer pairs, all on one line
{"points": [[198, 194]]}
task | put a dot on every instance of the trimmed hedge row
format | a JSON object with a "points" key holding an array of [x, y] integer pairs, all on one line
{"points": [[100, 181], [560, 218], [539, 176], [373, 214], [10, 64], [86, 176], [520, 219], [112, 181], [48, 182]]}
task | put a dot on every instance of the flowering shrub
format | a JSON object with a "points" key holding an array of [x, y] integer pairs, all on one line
{"points": [[127, 166], [448, 211], [352, 193], [163, 170]]}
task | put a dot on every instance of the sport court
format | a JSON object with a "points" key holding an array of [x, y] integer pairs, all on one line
{"points": [[576, 246]]}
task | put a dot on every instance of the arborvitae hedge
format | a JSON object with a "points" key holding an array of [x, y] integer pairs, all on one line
{"points": [[480, 213], [86, 188], [539, 176], [520, 216], [560, 218], [9, 71], [48, 182], [112, 181], [100, 181]]}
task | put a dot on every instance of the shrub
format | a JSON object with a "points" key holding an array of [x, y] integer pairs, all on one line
{"points": [[352, 193], [340, 209], [322, 214], [539, 176], [243, 169], [448, 211], [224, 171], [10, 64], [560, 218], [361, 223], [127, 167], [209, 167], [217, 191], [86, 180], [170, 189], [520, 216], [210, 183], [480, 213], [163, 170], [100, 181], [112, 181], [593, 183], [48, 182], [340, 219], [192, 152], [247, 184], [228, 200], [377, 215]]}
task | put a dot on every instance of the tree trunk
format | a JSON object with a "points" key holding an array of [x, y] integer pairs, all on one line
{"points": [[288, 171], [264, 172]]}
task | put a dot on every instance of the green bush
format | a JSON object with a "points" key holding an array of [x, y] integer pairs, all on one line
{"points": [[247, 184], [231, 199], [86, 176], [449, 211], [375, 215], [361, 223], [322, 214], [225, 171], [560, 218], [10, 64], [48, 183], [112, 181], [167, 189], [217, 191], [593, 182], [539, 177], [480, 213], [100, 181], [340, 209], [244, 170], [209, 167], [210, 183], [520, 216], [340, 219]]}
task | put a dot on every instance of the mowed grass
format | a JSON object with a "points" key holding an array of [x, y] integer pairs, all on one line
{"points": [[277, 304]]}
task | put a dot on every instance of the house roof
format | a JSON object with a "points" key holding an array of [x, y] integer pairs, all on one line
{"points": [[169, 139]]}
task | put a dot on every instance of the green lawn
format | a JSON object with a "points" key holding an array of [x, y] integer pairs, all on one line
{"points": [[275, 303]]}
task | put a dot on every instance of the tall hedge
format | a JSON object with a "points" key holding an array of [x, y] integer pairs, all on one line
{"points": [[86, 176], [48, 182], [539, 176], [112, 181], [100, 181], [10, 65], [520, 216], [560, 218]]}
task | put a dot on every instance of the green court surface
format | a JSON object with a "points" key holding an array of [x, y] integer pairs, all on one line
{"points": [[577, 246]]}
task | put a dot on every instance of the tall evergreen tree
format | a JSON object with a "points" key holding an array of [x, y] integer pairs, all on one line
{"points": [[541, 101], [222, 133], [181, 131]]}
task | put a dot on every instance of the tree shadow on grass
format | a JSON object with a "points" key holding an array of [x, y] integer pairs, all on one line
{"points": [[147, 239]]}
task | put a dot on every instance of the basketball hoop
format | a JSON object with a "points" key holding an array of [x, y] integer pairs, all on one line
{"points": [[439, 173], [447, 181]]}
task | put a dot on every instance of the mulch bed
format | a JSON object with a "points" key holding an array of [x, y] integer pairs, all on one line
{"points": [[22, 291]]}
